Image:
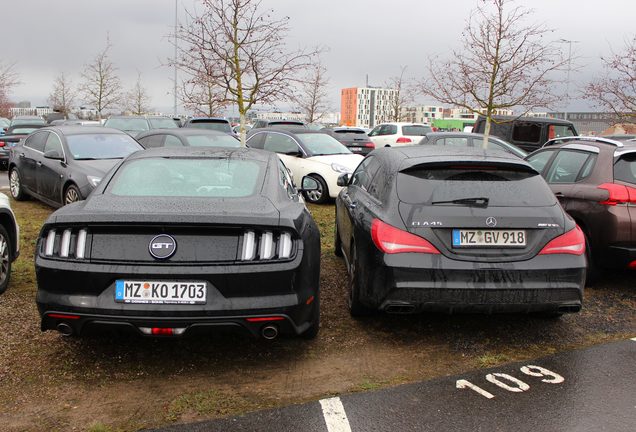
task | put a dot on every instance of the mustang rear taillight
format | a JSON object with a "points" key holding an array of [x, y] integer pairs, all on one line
{"points": [[402, 140], [572, 242], [266, 246], [618, 194], [69, 244], [392, 240]]}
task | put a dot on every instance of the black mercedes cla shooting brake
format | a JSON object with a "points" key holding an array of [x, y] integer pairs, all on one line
{"points": [[456, 230], [177, 241]]}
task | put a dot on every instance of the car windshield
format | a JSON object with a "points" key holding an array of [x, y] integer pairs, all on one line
{"points": [[101, 146], [192, 177], [210, 125], [162, 123], [128, 124], [416, 130], [497, 186], [212, 140], [319, 144]]}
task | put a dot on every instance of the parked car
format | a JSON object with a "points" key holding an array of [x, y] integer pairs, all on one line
{"points": [[178, 241], [9, 241], [461, 139], [309, 153], [133, 125], [398, 134], [278, 124], [355, 139], [456, 229], [63, 164], [594, 178], [11, 138], [186, 137], [527, 133], [209, 123], [27, 119], [4, 125]]}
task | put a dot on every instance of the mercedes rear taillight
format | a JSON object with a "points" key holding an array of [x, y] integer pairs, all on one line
{"points": [[390, 239], [572, 242], [618, 194]]}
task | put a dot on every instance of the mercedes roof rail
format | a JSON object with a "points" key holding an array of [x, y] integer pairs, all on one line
{"points": [[583, 138]]}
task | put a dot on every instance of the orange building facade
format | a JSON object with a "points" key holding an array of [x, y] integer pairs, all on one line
{"points": [[348, 106]]}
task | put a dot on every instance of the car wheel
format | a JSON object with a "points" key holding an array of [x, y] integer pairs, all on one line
{"points": [[320, 195], [313, 329], [71, 195], [337, 243], [5, 259], [15, 185], [356, 308]]}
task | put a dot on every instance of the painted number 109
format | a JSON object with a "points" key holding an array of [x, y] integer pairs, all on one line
{"points": [[510, 383]]}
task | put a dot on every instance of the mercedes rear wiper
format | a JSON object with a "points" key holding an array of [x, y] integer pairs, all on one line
{"points": [[473, 202]]}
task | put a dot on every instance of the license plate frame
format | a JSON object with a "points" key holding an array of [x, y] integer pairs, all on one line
{"points": [[489, 238], [158, 292]]}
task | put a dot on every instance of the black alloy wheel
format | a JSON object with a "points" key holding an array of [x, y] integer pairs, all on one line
{"points": [[5, 259]]}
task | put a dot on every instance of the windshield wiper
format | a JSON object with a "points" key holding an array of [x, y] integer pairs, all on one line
{"points": [[471, 202]]}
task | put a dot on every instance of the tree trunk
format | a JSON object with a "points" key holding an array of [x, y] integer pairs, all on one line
{"points": [[242, 129], [486, 133]]}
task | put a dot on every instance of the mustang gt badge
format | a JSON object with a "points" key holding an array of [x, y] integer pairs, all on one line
{"points": [[162, 246]]}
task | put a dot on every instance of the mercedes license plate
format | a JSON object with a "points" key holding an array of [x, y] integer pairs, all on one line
{"points": [[160, 292], [489, 238]]}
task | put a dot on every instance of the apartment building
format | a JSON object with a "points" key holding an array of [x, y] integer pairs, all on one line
{"points": [[366, 106]]}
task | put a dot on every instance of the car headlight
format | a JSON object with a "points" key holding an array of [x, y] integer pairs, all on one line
{"points": [[340, 168], [94, 181]]}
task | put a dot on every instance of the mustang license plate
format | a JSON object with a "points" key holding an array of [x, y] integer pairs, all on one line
{"points": [[489, 238], [160, 292]]}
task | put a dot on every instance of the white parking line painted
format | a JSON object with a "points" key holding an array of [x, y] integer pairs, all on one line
{"points": [[335, 415], [634, 339]]}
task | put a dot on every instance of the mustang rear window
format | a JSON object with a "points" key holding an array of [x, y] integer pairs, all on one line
{"points": [[175, 177], [502, 187]]}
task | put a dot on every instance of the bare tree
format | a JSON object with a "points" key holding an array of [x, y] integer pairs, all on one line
{"points": [[137, 99], [615, 90], [101, 86], [313, 97], [8, 79], [403, 94], [504, 64], [240, 47], [203, 96], [63, 95]]}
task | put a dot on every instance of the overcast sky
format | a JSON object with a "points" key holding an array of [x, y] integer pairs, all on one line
{"points": [[45, 38]]}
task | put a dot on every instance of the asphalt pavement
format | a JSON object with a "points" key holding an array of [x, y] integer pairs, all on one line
{"points": [[591, 389]]}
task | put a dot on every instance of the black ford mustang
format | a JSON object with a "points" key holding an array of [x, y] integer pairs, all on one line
{"points": [[429, 228], [183, 240]]}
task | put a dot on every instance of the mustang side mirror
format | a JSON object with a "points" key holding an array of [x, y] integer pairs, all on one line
{"points": [[53, 154], [343, 180], [309, 184]]}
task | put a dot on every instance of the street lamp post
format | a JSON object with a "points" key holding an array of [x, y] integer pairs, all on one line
{"points": [[176, 14], [567, 79]]}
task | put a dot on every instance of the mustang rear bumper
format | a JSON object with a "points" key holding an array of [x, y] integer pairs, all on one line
{"points": [[245, 297]]}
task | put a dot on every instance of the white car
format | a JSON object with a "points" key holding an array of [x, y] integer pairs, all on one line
{"points": [[307, 152], [9, 241], [398, 134]]}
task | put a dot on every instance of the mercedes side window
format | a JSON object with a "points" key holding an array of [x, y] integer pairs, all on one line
{"points": [[566, 166], [37, 141], [540, 159], [526, 132], [364, 173], [377, 182]]}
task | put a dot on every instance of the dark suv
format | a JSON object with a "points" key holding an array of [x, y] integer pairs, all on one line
{"points": [[595, 181]]}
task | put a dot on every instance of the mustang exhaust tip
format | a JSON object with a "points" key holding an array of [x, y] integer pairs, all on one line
{"points": [[269, 332], [64, 329]]}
